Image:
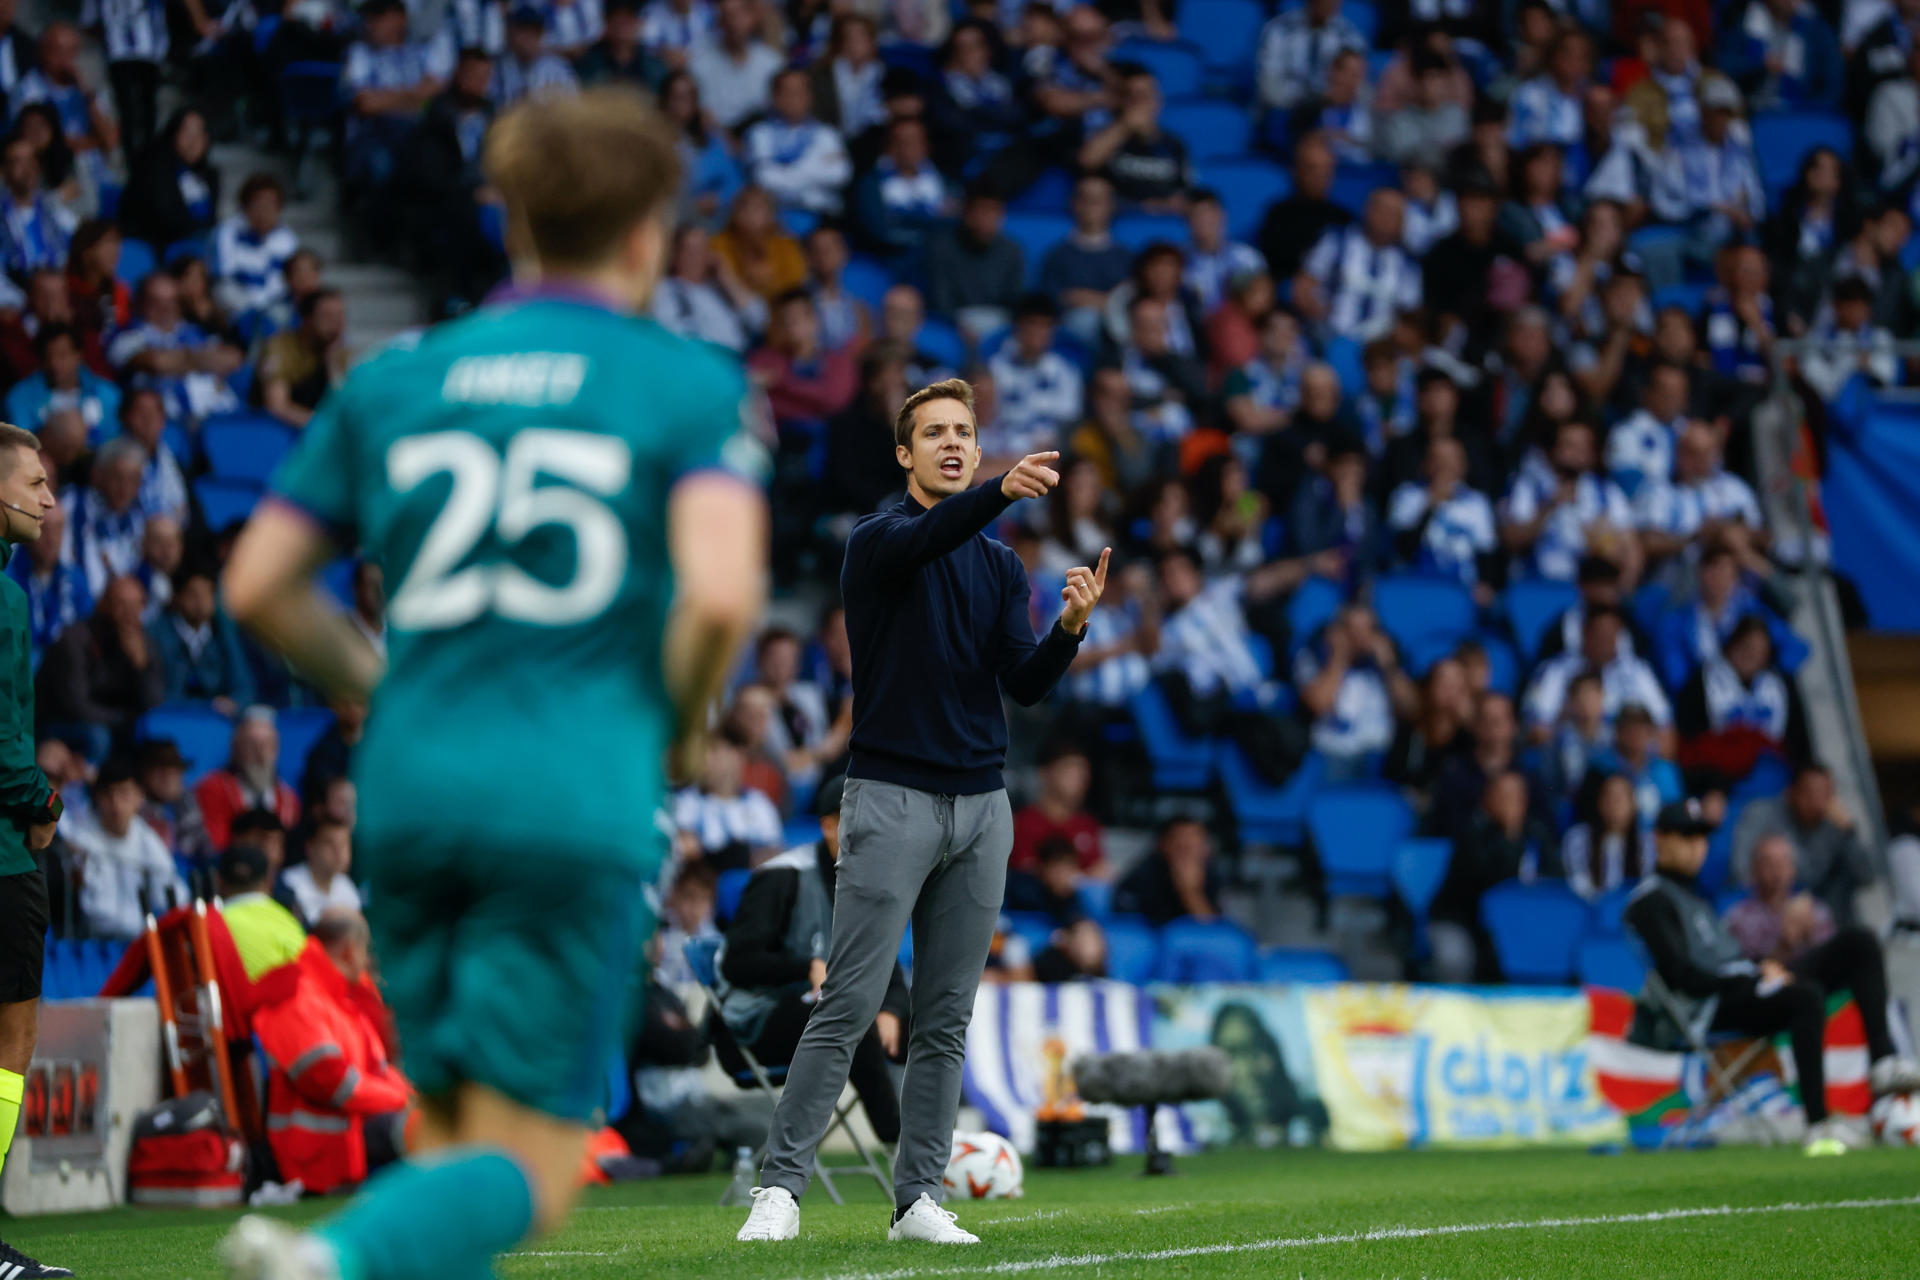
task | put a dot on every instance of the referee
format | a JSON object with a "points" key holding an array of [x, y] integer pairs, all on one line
{"points": [[937, 618], [29, 806]]}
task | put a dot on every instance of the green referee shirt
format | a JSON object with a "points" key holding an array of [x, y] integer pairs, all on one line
{"points": [[23, 788]]}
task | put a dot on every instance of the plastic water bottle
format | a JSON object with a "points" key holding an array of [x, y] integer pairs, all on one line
{"points": [[740, 1190]]}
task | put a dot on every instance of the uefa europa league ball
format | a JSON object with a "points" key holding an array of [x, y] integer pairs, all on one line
{"points": [[983, 1166], [1896, 1120]]}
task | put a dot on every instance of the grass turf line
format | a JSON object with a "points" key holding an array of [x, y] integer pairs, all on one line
{"points": [[1313, 1203]]}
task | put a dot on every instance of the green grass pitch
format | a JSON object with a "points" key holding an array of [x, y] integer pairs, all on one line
{"points": [[1735, 1214]]}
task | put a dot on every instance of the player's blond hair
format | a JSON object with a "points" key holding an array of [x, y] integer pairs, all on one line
{"points": [[579, 173], [951, 389]]}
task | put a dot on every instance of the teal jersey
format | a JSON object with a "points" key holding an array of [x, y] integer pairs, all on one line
{"points": [[510, 472]]}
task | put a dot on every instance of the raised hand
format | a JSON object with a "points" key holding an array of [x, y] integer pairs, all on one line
{"points": [[1031, 477], [1082, 592]]}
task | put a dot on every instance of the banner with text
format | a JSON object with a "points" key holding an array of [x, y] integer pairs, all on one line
{"points": [[1404, 1066]]}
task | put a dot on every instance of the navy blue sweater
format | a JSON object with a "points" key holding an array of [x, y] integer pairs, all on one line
{"points": [[937, 618]]}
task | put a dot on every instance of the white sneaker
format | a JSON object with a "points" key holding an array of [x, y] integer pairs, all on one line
{"points": [[775, 1216], [261, 1249], [1894, 1075], [1831, 1137], [925, 1220]]}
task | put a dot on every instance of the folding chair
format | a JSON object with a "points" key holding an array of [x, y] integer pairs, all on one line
{"points": [[703, 958], [1660, 1021]]}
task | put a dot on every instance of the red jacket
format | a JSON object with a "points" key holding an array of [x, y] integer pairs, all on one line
{"points": [[222, 800], [330, 1071]]}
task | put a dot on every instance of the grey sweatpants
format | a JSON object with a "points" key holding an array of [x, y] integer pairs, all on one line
{"points": [[941, 863]]}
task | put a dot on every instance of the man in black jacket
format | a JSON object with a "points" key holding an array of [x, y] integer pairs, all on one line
{"points": [[441, 175], [1701, 964], [775, 961], [939, 619]]}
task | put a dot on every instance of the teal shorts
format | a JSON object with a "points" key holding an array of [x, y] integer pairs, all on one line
{"points": [[514, 970]]}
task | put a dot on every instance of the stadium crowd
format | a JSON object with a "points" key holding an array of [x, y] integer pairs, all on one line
{"points": [[1405, 354]]}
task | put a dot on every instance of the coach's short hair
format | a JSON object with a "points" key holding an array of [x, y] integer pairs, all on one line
{"points": [[949, 389], [12, 440], [579, 173]]}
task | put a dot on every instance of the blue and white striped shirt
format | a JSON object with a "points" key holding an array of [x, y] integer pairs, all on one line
{"points": [[1564, 540], [135, 30], [1366, 285], [573, 24], [190, 395], [1210, 274], [1459, 533], [479, 24], [247, 267], [1113, 682], [400, 66], [1206, 640], [547, 76], [1038, 401], [1679, 510], [35, 234], [1295, 56], [662, 26], [1540, 112]]}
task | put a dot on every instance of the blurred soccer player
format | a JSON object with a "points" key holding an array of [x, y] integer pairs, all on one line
{"points": [[567, 506]]}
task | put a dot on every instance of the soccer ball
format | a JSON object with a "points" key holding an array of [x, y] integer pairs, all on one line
{"points": [[983, 1166], [1896, 1120]]}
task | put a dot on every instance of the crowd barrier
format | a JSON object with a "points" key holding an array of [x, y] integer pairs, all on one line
{"points": [[1372, 1067]]}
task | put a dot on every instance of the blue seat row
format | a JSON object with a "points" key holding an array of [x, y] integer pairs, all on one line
{"points": [[1190, 951], [76, 968], [204, 736]]}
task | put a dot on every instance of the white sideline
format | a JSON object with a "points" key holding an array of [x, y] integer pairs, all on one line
{"points": [[1066, 1261]]}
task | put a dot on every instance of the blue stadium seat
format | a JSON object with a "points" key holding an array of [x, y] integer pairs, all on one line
{"points": [[1610, 909], [1298, 964], [245, 446], [1036, 234], [337, 578], [1035, 928], [703, 953], [1096, 898], [1178, 66], [619, 1086], [1133, 949], [1425, 616], [1532, 605], [1604, 961], [59, 979], [1419, 869], [1206, 951], [1356, 827], [1138, 230], [1362, 14], [1177, 762], [1311, 607], [1051, 192], [1690, 298], [225, 502], [939, 339], [1536, 929], [1782, 139], [1769, 778], [799, 222], [799, 831], [1227, 34], [728, 887], [137, 261], [203, 735], [300, 728], [1265, 813], [1247, 187], [1211, 130], [493, 224], [1503, 665], [866, 280], [1355, 182], [191, 247]]}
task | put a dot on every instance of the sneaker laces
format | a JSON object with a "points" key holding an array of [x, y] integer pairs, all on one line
{"points": [[760, 1200], [951, 1217]]}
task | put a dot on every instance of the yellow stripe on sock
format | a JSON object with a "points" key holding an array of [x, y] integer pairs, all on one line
{"points": [[13, 1087]]}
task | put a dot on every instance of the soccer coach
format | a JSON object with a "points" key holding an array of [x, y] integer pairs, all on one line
{"points": [[29, 808], [937, 618]]}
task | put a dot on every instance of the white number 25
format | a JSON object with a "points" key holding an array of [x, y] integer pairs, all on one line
{"points": [[486, 490]]}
